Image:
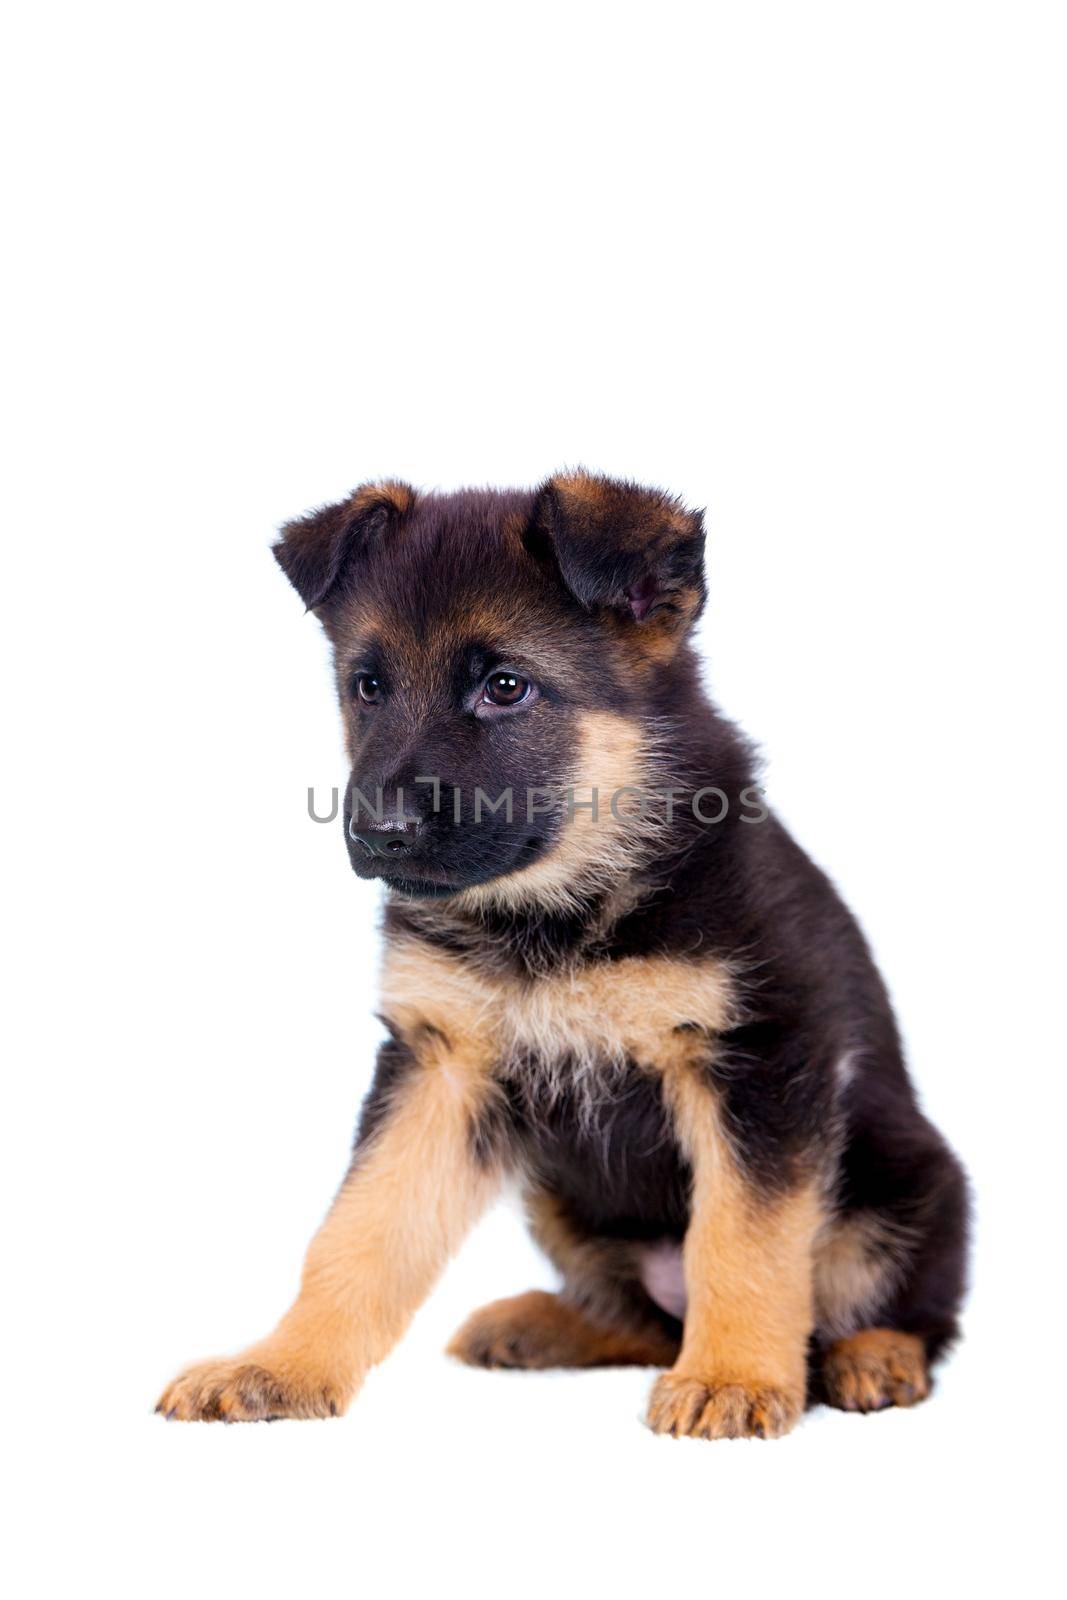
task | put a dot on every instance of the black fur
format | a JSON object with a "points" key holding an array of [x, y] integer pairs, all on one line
{"points": [[396, 1059]]}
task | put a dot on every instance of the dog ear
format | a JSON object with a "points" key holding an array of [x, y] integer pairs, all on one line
{"points": [[638, 552], [318, 552]]}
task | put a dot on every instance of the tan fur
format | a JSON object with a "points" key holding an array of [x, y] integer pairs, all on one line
{"points": [[538, 1329], [580, 489], [602, 1013], [413, 1194], [858, 1259], [748, 1271], [586, 494], [612, 756], [876, 1368], [400, 496], [650, 644]]}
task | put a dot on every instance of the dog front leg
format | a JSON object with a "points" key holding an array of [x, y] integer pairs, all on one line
{"points": [[420, 1178], [741, 1371]]}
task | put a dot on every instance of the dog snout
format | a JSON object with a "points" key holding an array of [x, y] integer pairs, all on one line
{"points": [[391, 836]]}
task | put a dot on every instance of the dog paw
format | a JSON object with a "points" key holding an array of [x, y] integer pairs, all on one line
{"points": [[503, 1335], [875, 1369], [697, 1408], [244, 1390], [538, 1329]]}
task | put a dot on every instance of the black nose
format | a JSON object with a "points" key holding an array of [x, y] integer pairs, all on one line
{"points": [[391, 837]]}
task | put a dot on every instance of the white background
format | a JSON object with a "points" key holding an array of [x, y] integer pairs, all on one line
{"points": [[803, 264]]}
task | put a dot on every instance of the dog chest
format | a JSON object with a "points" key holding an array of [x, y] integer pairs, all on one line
{"points": [[594, 1014]]}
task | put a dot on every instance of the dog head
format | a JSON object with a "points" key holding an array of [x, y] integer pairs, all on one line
{"points": [[504, 661]]}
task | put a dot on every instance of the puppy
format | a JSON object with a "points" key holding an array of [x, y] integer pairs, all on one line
{"points": [[609, 975]]}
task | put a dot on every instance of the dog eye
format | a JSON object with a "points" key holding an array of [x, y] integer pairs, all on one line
{"points": [[368, 688], [506, 689]]}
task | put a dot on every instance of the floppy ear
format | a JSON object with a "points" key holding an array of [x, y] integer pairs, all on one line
{"points": [[636, 551], [317, 552]]}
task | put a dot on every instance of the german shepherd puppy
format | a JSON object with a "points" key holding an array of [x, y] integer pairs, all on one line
{"points": [[608, 974]]}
